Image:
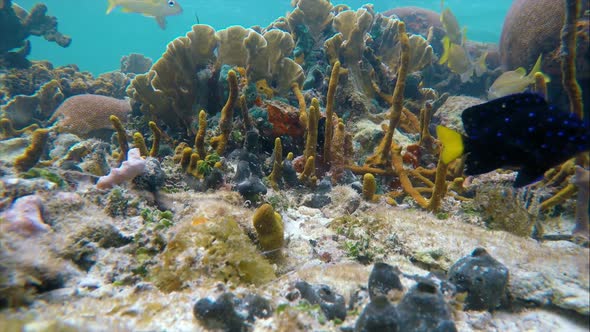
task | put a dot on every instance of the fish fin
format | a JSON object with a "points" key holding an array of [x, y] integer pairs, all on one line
{"points": [[528, 175], [446, 41], [466, 76], [480, 66], [464, 36], [452, 143], [520, 71], [536, 67], [161, 21], [112, 5]]}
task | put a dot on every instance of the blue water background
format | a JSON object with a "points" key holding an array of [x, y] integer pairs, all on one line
{"points": [[99, 40]]}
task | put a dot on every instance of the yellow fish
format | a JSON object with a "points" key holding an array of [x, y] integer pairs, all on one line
{"points": [[514, 81], [451, 26], [157, 9], [459, 62]]}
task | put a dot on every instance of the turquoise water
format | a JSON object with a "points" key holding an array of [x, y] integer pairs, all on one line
{"points": [[99, 40]]}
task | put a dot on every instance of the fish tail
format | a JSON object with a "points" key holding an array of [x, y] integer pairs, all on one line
{"points": [[452, 144], [112, 5], [480, 66], [446, 50], [537, 69]]}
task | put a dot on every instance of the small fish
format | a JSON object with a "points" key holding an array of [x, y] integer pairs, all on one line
{"points": [[520, 131], [460, 62], [157, 9], [515, 81]]}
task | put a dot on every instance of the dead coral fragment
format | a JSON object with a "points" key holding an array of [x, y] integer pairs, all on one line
{"points": [[217, 248]]}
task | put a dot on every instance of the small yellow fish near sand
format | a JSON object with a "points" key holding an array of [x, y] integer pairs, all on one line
{"points": [[157, 9], [515, 81]]}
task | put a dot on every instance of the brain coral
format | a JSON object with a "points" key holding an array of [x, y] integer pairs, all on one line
{"points": [[533, 27], [87, 115]]}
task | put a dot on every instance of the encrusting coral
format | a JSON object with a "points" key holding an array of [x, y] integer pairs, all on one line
{"points": [[227, 255]]}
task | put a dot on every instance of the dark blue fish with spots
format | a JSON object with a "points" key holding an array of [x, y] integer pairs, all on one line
{"points": [[519, 131]]}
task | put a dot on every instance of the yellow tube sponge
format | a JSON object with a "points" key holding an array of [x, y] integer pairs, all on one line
{"points": [[334, 76], [33, 152], [311, 141], [277, 165], [121, 136], [200, 138], [156, 140], [269, 227], [369, 187], [139, 143], [382, 156], [225, 123]]}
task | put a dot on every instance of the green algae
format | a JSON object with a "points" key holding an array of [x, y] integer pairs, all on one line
{"points": [[216, 248]]}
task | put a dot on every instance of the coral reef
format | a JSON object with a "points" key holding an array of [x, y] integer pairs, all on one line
{"points": [[294, 183]]}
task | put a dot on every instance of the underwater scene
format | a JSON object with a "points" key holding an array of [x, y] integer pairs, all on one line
{"points": [[294, 165]]}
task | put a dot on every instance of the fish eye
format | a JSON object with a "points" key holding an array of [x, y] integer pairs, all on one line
{"points": [[171, 3]]}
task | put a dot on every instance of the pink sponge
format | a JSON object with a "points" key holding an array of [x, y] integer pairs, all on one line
{"points": [[132, 167], [25, 216]]}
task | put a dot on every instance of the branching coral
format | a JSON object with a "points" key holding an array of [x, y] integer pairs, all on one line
{"points": [[16, 25]]}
